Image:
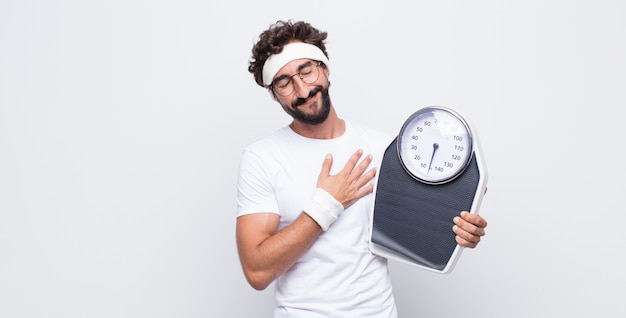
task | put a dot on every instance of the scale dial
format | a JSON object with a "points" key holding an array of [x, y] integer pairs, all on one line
{"points": [[435, 145]]}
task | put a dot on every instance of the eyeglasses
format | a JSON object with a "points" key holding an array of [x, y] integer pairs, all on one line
{"points": [[309, 73]]}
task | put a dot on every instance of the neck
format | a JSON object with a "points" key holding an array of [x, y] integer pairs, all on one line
{"points": [[332, 127]]}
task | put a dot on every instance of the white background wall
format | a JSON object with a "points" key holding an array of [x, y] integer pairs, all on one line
{"points": [[122, 123]]}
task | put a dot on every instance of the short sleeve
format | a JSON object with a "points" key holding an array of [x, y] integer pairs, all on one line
{"points": [[255, 191]]}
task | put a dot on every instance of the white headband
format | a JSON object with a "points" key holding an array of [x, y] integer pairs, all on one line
{"points": [[290, 52]]}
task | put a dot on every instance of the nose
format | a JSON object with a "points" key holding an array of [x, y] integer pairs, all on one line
{"points": [[300, 88]]}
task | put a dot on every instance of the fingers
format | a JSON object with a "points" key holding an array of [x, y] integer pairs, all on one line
{"points": [[365, 190], [362, 182], [357, 174], [469, 228], [351, 182], [351, 163], [474, 219], [360, 169], [326, 165], [351, 171]]}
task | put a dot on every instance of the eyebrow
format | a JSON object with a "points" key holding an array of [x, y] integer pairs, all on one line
{"points": [[303, 65]]}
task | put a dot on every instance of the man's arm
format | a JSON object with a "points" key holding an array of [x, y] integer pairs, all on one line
{"points": [[266, 253]]}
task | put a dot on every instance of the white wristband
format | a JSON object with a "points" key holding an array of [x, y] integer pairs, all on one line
{"points": [[323, 208]]}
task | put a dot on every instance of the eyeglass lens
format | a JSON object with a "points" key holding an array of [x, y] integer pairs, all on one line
{"points": [[308, 74]]}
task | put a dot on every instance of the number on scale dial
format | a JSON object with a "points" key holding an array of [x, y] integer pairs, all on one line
{"points": [[435, 145]]}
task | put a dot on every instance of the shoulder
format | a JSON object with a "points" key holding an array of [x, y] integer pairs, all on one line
{"points": [[370, 133], [270, 143]]}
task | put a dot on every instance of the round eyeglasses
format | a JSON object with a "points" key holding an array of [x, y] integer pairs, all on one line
{"points": [[308, 73]]}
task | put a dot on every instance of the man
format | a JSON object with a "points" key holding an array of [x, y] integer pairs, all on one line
{"points": [[305, 192]]}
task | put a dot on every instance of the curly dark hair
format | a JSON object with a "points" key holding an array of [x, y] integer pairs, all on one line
{"points": [[272, 40]]}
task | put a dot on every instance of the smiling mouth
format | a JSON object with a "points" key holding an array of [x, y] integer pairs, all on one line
{"points": [[312, 93]]}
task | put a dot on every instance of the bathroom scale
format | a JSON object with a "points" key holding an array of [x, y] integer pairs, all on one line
{"points": [[428, 174]]}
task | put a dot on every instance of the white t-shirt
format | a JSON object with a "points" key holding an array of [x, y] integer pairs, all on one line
{"points": [[338, 276]]}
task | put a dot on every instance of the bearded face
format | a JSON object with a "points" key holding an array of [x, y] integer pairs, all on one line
{"points": [[317, 117]]}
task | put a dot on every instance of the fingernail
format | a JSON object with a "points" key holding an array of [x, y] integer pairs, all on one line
{"points": [[455, 220]]}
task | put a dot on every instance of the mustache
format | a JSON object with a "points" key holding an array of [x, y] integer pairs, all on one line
{"points": [[301, 101]]}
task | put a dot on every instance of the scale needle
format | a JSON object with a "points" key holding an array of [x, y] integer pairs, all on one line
{"points": [[435, 146]]}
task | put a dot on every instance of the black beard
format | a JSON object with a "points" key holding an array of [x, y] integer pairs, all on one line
{"points": [[311, 119]]}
